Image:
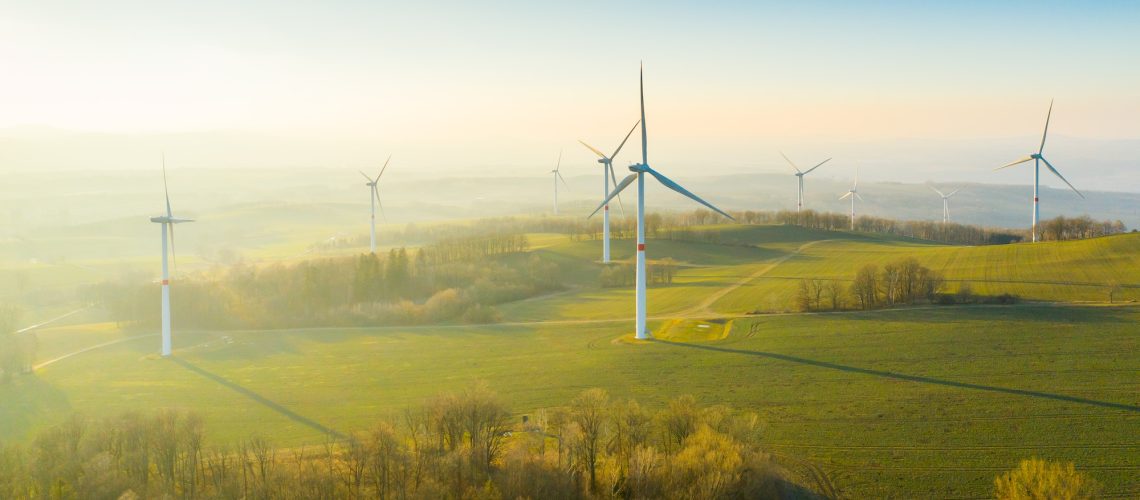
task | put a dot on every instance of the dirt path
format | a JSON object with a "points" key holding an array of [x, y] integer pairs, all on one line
{"points": [[89, 349], [704, 307], [53, 320]]}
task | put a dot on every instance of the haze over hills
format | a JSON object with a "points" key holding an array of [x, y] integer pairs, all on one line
{"points": [[1091, 164], [50, 201]]}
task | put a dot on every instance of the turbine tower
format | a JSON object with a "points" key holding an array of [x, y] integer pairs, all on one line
{"points": [[374, 198], [853, 193], [800, 179], [168, 221], [1039, 158], [608, 174], [638, 174], [945, 203], [557, 177]]}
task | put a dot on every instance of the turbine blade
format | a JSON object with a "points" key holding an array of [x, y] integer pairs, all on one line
{"points": [[626, 139], [610, 167], [617, 189], [937, 191], [366, 176], [857, 195], [559, 174], [952, 192], [1015, 162], [677, 187], [817, 166], [844, 197], [558, 164], [644, 137], [1058, 174], [165, 189], [376, 193], [1046, 132], [591, 148], [794, 167], [385, 167]]}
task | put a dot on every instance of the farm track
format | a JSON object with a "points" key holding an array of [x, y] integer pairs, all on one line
{"points": [[814, 472], [52, 361]]}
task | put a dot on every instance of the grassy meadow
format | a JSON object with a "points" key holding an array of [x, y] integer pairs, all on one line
{"points": [[929, 401]]}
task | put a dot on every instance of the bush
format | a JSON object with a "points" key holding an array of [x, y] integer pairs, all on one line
{"points": [[1037, 479]]}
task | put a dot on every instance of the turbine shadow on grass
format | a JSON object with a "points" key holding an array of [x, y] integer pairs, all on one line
{"points": [[908, 378], [287, 413]]}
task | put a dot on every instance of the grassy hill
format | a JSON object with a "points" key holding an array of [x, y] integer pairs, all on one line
{"points": [[931, 401]]}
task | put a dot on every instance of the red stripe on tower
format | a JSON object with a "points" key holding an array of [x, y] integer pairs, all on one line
{"points": [[641, 247], [165, 282], [1035, 199]]}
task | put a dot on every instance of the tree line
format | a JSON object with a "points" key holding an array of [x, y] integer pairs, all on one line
{"points": [[457, 445], [903, 281], [455, 279]]}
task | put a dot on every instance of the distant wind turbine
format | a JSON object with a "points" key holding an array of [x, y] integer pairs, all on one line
{"points": [[608, 174], [168, 221], [1038, 158], [800, 179], [374, 198], [638, 174], [557, 177], [945, 203], [853, 193]]}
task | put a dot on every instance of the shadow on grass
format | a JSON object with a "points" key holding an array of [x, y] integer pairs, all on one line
{"points": [[908, 378], [287, 413]]}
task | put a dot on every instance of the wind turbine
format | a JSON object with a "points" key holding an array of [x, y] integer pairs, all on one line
{"points": [[168, 221], [638, 174], [608, 174], [374, 198], [800, 178], [945, 203], [557, 177], [1038, 158], [853, 193]]}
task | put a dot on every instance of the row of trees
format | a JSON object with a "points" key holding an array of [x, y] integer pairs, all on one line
{"points": [[455, 279], [623, 274], [1078, 228], [463, 445], [664, 224], [902, 281]]}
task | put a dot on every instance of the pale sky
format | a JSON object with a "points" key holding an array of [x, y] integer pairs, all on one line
{"points": [[466, 84]]}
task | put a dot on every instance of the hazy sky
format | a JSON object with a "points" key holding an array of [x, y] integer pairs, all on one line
{"points": [[466, 84]]}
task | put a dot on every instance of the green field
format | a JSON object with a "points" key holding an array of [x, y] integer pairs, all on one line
{"points": [[908, 403]]}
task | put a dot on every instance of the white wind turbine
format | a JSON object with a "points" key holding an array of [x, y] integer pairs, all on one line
{"points": [[608, 174], [374, 198], [945, 203], [638, 174], [557, 177], [1038, 158], [168, 221], [800, 179], [853, 193]]}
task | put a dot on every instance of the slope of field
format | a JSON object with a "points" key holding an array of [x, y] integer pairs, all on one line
{"points": [[908, 403], [913, 403], [1065, 271]]}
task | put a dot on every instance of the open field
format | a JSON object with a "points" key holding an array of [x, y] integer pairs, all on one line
{"points": [[907, 403], [923, 402]]}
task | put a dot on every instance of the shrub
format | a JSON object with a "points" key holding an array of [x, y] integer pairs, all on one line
{"points": [[1038, 479]]}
